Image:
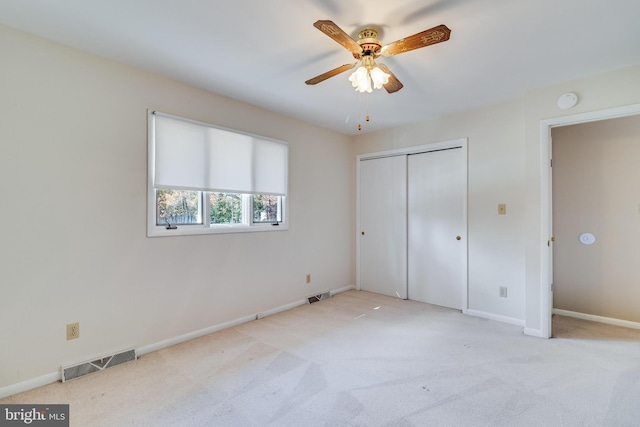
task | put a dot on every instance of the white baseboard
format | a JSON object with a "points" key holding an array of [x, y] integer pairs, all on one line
{"points": [[497, 317], [56, 376], [341, 290], [600, 319], [30, 384], [215, 328], [140, 351], [534, 333]]}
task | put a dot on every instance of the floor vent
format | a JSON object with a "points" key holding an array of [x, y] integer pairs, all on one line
{"points": [[81, 369], [318, 297]]}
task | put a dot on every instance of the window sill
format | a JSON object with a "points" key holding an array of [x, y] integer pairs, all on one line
{"points": [[194, 230]]}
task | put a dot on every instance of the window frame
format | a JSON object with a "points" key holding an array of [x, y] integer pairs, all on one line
{"points": [[248, 225]]}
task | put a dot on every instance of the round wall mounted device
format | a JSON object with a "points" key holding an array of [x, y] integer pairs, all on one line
{"points": [[567, 100], [587, 239]]}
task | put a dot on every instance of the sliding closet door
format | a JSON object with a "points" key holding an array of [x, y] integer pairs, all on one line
{"points": [[383, 226], [437, 262]]}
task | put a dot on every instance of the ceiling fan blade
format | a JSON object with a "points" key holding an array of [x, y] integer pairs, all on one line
{"points": [[336, 33], [393, 85], [434, 35], [328, 74]]}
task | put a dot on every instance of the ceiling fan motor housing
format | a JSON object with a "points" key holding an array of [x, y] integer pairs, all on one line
{"points": [[368, 40]]}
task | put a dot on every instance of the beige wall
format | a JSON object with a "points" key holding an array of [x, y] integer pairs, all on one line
{"points": [[506, 166], [597, 93], [73, 132], [495, 175], [595, 189], [73, 180]]}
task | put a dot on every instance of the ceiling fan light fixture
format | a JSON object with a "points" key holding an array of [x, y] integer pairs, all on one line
{"points": [[367, 78], [379, 77], [368, 47], [360, 80]]}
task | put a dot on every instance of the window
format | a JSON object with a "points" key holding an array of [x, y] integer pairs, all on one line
{"points": [[226, 208], [205, 179], [266, 208]]}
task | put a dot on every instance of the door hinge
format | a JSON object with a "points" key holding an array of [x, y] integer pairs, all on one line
{"points": [[552, 287]]}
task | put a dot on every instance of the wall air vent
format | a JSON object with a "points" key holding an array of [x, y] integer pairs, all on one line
{"points": [[81, 369], [318, 297]]}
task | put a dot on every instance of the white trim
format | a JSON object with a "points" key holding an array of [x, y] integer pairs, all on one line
{"points": [[56, 376], [341, 290], [546, 297], [414, 149], [496, 317], [358, 226], [141, 351], [30, 384], [221, 326], [215, 328], [453, 143], [534, 333], [546, 209], [198, 229], [599, 319]]}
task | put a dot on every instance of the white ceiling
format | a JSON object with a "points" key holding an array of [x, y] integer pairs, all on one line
{"points": [[261, 52]]}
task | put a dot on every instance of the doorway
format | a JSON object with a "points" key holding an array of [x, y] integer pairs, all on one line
{"points": [[546, 208], [596, 219]]}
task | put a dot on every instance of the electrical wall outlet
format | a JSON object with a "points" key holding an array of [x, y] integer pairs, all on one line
{"points": [[308, 278], [503, 291], [73, 331]]}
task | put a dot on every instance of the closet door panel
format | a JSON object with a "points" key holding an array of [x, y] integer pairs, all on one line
{"points": [[437, 250], [383, 226]]}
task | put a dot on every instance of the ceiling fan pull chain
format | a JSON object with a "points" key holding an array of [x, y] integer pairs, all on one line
{"points": [[359, 111], [367, 116]]}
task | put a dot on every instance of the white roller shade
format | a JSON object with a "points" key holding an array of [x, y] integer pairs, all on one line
{"points": [[196, 156]]}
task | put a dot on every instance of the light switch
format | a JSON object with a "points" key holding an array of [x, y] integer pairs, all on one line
{"points": [[502, 209]]}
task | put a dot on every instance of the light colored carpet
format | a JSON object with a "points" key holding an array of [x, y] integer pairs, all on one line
{"points": [[361, 359]]}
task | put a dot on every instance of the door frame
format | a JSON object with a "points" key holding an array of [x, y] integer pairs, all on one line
{"points": [[546, 207], [442, 145]]}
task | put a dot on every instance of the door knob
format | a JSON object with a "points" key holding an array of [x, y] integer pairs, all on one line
{"points": [[363, 233], [458, 237]]}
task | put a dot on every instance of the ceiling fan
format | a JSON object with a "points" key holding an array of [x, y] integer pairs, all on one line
{"points": [[367, 48]]}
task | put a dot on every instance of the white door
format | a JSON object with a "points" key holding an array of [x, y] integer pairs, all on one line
{"points": [[437, 231], [383, 226]]}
